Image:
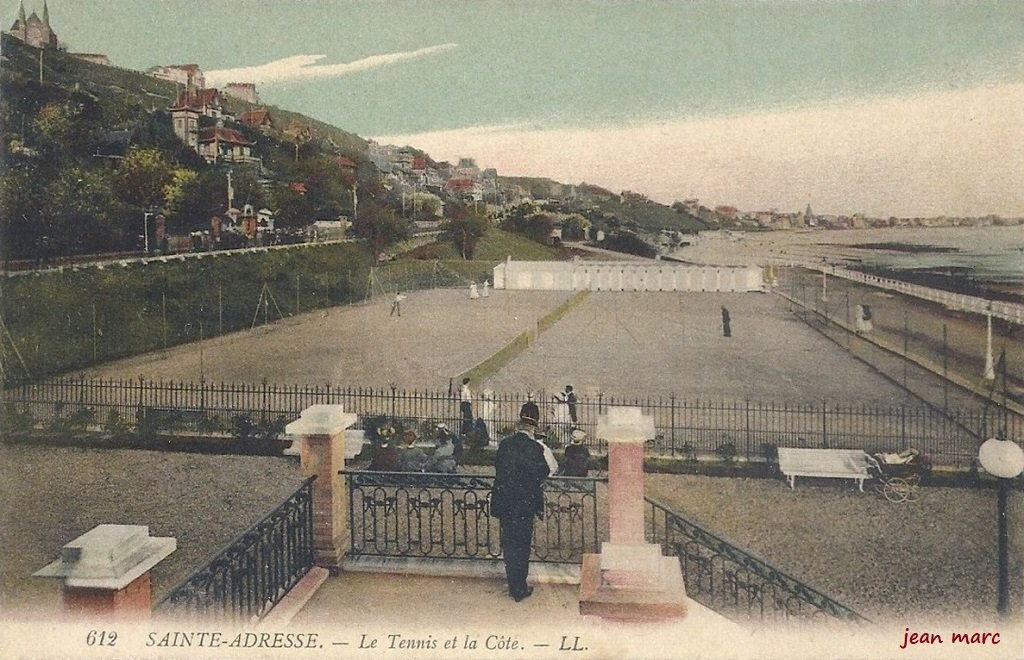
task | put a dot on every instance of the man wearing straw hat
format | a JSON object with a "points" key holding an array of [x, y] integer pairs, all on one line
{"points": [[519, 473]]}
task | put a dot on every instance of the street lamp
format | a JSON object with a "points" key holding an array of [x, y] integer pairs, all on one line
{"points": [[1004, 460], [145, 229]]}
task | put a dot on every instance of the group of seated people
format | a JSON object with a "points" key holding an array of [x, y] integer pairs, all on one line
{"points": [[447, 455], [410, 458]]}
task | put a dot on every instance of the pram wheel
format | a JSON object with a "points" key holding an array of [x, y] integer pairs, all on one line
{"points": [[898, 489]]}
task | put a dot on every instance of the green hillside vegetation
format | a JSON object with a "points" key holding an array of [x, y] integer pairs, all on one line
{"points": [[604, 208], [93, 315], [495, 245], [88, 149]]}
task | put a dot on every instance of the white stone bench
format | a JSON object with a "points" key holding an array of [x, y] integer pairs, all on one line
{"points": [[825, 463]]}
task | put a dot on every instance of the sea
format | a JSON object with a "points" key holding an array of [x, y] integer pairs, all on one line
{"points": [[972, 260]]}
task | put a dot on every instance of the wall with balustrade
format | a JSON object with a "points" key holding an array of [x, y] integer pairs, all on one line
{"points": [[579, 275]]}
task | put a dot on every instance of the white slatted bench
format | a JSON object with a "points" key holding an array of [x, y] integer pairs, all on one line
{"points": [[825, 463]]}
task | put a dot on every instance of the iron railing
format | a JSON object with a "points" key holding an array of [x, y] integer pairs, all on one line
{"points": [[733, 582], [409, 514], [685, 428], [248, 577]]}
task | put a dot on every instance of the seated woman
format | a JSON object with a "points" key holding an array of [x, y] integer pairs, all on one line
{"points": [[443, 459], [410, 457], [385, 454], [385, 457], [577, 456]]}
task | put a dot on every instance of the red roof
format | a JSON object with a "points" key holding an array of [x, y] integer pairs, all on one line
{"points": [[298, 187], [460, 185], [256, 118], [198, 98], [419, 163], [221, 134], [345, 161]]}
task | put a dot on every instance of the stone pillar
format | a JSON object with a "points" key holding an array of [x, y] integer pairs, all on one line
{"points": [[105, 572], [630, 580], [322, 453]]}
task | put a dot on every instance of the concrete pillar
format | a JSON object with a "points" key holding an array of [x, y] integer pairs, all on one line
{"points": [[629, 580], [322, 453], [105, 572]]}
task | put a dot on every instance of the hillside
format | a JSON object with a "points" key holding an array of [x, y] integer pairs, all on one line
{"points": [[91, 154], [125, 94], [495, 245]]}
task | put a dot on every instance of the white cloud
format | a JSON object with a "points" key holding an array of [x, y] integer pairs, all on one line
{"points": [[305, 67], [950, 152]]}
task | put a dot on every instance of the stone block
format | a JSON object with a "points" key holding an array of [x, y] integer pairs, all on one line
{"points": [[659, 596]]}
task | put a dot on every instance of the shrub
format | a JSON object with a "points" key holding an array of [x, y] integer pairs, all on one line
{"points": [[727, 452]]}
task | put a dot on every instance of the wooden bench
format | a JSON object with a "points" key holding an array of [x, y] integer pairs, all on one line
{"points": [[825, 463]]}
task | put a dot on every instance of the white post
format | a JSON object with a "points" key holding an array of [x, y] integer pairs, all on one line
{"points": [[990, 372]]}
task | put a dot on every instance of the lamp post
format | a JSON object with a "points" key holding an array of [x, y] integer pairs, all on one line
{"points": [[1004, 460], [145, 229]]}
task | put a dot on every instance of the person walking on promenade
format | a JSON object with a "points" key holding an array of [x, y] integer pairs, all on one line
{"points": [[485, 292], [577, 456], [516, 498], [466, 407], [726, 327], [473, 293], [396, 305], [530, 409]]}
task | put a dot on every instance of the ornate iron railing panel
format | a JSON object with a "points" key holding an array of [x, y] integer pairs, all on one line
{"points": [[248, 577], [734, 582], [414, 514]]}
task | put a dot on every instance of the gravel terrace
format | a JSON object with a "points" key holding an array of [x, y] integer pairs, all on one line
{"points": [[930, 560], [52, 495]]}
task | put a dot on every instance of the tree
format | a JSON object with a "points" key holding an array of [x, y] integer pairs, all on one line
{"points": [[292, 208], [178, 188], [21, 199], [465, 229], [83, 214], [380, 227], [574, 227], [71, 127], [143, 176]]}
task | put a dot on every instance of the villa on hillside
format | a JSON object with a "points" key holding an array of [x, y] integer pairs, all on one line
{"points": [[218, 143], [258, 119]]}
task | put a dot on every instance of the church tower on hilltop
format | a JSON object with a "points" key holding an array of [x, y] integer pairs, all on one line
{"points": [[33, 30]]}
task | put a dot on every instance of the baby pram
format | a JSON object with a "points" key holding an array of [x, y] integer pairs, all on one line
{"points": [[898, 475]]}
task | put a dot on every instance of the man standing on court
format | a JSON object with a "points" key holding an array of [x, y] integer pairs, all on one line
{"points": [[517, 496], [396, 306]]}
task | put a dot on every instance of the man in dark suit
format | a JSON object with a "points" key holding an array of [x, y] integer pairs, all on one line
{"points": [[519, 473]]}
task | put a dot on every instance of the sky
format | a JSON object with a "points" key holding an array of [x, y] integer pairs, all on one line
{"points": [[881, 108]]}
